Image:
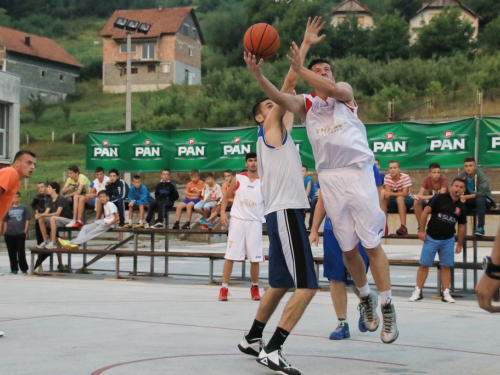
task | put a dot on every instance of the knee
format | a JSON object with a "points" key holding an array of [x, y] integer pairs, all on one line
{"points": [[481, 200]]}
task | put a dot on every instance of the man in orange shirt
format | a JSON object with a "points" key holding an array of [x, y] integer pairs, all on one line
{"points": [[23, 166], [194, 189]]}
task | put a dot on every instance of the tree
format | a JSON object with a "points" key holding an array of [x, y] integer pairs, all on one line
{"points": [[390, 39], [145, 97], [36, 107], [66, 109], [446, 35], [490, 37], [349, 39], [487, 9]]}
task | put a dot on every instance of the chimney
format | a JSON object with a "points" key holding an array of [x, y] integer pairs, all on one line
{"points": [[160, 8], [27, 41]]}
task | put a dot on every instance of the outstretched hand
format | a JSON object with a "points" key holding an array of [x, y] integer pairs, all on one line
{"points": [[312, 30], [295, 59], [253, 65]]}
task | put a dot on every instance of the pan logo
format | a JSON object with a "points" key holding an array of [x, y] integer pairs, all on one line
{"points": [[390, 145], [494, 142], [236, 148], [448, 143], [193, 150], [148, 151], [107, 151]]}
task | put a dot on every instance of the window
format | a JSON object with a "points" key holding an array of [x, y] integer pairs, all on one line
{"points": [[61, 77], [181, 45], [148, 51], [43, 73], [186, 76], [151, 68], [361, 21], [340, 20], [190, 52], [134, 70], [185, 29], [123, 48], [165, 68], [195, 32], [4, 126]]}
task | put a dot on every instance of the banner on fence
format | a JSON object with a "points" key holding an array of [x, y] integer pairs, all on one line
{"points": [[414, 145]]}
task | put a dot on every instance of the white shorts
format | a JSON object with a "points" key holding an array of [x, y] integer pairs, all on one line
{"points": [[352, 203], [244, 237]]}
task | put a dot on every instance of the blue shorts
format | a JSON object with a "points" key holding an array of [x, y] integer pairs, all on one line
{"points": [[290, 257], [207, 205], [333, 264], [392, 207], [190, 200], [92, 202], [445, 249]]}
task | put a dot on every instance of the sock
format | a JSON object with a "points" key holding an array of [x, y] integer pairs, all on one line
{"points": [[79, 221], [255, 284], [176, 222], [256, 330], [364, 290], [384, 296], [140, 221], [277, 340], [225, 285], [129, 221]]}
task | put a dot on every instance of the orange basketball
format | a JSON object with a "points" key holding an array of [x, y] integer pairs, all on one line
{"points": [[262, 40]]}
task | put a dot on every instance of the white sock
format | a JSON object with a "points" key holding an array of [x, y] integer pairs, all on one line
{"points": [[225, 285], [364, 290], [384, 296], [80, 221], [140, 221], [255, 284], [129, 221]]}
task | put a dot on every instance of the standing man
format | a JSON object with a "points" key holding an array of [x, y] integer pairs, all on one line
{"points": [[291, 262], [446, 210], [345, 170], [23, 166], [245, 233]]}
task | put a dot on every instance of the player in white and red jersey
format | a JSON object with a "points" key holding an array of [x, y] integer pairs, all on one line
{"points": [[345, 170], [245, 233]]}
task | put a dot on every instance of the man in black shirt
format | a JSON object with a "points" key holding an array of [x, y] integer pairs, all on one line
{"points": [[446, 210], [165, 196], [38, 205]]}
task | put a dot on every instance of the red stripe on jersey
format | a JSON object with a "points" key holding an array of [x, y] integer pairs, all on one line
{"points": [[308, 105], [237, 185], [348, 106]]}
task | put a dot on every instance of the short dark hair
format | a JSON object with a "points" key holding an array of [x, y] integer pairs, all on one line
{"points": [[103, 192], [256, 110], [318, 61], [115, 171], [40, 182], [18, 193], [74, 168], [99, 169], [250, 155], [394, 161], [434, 166], [462, 180], [136, 177], [54, 185], [305, 166], [194, 172], [208, 174], [229, 171], [376, 159], [20, 153], [166, 169], [468, 159]]}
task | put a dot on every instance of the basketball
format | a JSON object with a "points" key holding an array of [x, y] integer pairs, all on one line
{"points": [[262, 40]]}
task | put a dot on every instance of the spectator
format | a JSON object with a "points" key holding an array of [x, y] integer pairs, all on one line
{"points": [[56, 215], [478, 193], [165, 196], [93, 230], [38, 205], [446, 210], [312, 196], [192, 196], [100, 182], [138, 195], [15, 228], [117, 191], [434, 183], [76, 184], [212, 193], [382, 176], [228, 176], [397, 194]]}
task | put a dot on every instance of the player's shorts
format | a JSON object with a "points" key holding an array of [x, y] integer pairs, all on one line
{"points": [[290, 257], [244, 238], [445, 249], [186, 201], [352, 204], [207, 205], [392, 207], [333, 263]]}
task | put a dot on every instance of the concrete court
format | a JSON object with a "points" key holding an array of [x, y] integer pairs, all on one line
{"points": [[83, 324]]}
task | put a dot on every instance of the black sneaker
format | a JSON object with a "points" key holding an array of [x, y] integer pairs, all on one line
{"points": [[176, 225], [252, 347], [187, 225], [402, 231], [276, 362]]}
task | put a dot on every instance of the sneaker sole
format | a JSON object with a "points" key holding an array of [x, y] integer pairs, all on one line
{"points": [[390, 342], [273, 368]]}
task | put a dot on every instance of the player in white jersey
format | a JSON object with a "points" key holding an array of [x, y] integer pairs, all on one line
{"points": [[245, 232], [344, 163], [290, 258]]}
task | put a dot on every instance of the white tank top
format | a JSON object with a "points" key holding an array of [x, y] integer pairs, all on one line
{"points": [[248, 200], [280, 171], [337, 136]]}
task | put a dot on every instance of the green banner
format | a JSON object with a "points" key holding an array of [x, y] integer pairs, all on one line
{"points": [[489, 142]]}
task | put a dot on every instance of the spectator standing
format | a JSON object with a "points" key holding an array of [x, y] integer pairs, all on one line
{"points": [[478, 194], [194, 189], [311, 193], [228, 177], [117, 191], [397, 194], [165, 196], [446, 210], [14, 228], [76, 184], [212, 193], [138, 196], [38, 205]]}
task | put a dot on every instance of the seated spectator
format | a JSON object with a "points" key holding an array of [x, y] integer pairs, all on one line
{"points": [[165, 196], [310, 192], [434, 183], [478, 193], [96, 186], [56, 215], [397, 194], [38, 205], [117, 190], [194, 189], [212, 193], [93, 230], [382, 176], [76, 184], [15, 227], [228, 177], [138, 196]]}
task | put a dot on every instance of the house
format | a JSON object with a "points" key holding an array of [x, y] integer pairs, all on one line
{"points": [[169, 53], [351, 8], [432, 9], [43, 65], [9, 116]]}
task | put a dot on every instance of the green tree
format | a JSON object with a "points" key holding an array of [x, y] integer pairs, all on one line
{"points": [[66, 109], [489, 38], [446, 35], [4, 18], [36, 107], [349, 39], [145, 97], [487, 9], [390, 39]]}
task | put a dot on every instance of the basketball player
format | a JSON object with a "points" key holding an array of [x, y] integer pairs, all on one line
{"points": [[345, 170], [290, 257], [245, 232]]}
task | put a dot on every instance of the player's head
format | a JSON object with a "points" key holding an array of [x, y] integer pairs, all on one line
{"points": [[435, 171], [114, 175], [53, 187], [457, 187], [470, 165], [261, 109], [41, 187], [136, 181], [24, 163], [394, 168], [194, 175], [165, 174], [251, 162], [322, 68]]}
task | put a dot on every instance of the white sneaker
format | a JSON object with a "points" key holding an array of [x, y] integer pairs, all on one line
{"points": [[446, 297], [276, 362], [252, 347], [1, 274], [1, 334], [369, 311], [417, 295], [390, 330], [159, 225], [146, 225], [51, 245], [71, 223], [43, 244]]}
